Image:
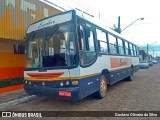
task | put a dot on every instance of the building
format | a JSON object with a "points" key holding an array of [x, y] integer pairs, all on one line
{"points": [[15, 16], [143, 53]]}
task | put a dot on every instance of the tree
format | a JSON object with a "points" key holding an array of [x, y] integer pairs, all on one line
{"points": [[115, 28]]}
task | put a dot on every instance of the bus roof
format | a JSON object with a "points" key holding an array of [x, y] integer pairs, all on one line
{"points": [[83, 15], [50, 21]]}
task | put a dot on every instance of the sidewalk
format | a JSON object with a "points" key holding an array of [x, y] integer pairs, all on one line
{"points": [[8, 96], [14, 98]]}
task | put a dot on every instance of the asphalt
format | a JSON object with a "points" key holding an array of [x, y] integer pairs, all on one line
{"points": [[14, 98]]}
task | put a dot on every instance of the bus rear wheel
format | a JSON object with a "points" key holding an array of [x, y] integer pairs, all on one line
{"points": [[130, 77], [102, 87]]}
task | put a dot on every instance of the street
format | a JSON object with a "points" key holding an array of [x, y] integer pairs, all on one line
{"points": [[141, 94]]}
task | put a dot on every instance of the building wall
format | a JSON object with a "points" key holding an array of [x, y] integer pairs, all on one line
{"points": [[11, 65], [15, 16]]}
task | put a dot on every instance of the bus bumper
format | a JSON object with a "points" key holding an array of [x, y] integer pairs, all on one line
{"points": [[67, 93]]}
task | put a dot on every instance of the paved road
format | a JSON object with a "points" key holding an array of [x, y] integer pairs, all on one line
{"points": [[141, 94]]}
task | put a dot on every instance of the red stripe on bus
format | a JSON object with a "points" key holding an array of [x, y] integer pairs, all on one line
{"points": [[45, 75]]}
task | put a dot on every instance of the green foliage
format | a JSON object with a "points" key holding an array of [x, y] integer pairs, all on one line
{"points": [[10, 82], [115, 28]]}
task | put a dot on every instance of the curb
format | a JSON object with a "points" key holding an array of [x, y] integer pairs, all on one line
{"points": [[16, 101]]}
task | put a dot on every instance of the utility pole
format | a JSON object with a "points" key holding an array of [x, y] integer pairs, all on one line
{"points": [[99, 15], [147, 51], [119, 25]]}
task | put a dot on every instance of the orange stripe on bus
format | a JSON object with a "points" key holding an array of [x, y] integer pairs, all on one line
{"points": [[11, 72], [11, 60], [11, 88], [119, 62]]}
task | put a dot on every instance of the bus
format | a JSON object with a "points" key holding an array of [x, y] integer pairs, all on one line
{"points": [[71, 55]]}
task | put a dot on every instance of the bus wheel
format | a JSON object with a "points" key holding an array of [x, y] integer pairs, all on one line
{"points": [[130, 78], [102, 88]]}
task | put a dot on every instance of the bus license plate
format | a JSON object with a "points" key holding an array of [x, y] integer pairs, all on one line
{"points": [[64, 93]]}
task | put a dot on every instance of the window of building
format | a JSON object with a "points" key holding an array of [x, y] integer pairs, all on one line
{"points": [[19, 48]]}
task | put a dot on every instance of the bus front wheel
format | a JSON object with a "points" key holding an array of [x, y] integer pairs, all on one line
{"points": [[102, 87]]}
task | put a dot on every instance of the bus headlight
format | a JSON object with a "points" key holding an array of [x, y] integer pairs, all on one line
{"points": [[43, 83], [61, 84], [26, 82], [67, 83], [30, 83]]}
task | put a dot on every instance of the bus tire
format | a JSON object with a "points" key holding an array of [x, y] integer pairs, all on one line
{"points": [[102, 88], [130, 77]]}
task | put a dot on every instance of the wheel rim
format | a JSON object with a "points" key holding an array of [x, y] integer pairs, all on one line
{"points": [[103, 87], [132, 76]]}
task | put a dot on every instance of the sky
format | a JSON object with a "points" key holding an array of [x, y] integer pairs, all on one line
{"points": [[142, 32]]}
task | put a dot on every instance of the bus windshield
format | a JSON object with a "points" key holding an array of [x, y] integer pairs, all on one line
{"points": [[51, 47]]}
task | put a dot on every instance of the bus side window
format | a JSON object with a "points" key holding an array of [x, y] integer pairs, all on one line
{"points": [[137, 49], [86, 45], [126, 48], [102, 41], [112, 44], [120, 46], [131, 49], [81, 37], [89, 40], [134, 49]]}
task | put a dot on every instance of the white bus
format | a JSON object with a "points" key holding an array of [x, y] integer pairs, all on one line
{"points": [[70, 56]]}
